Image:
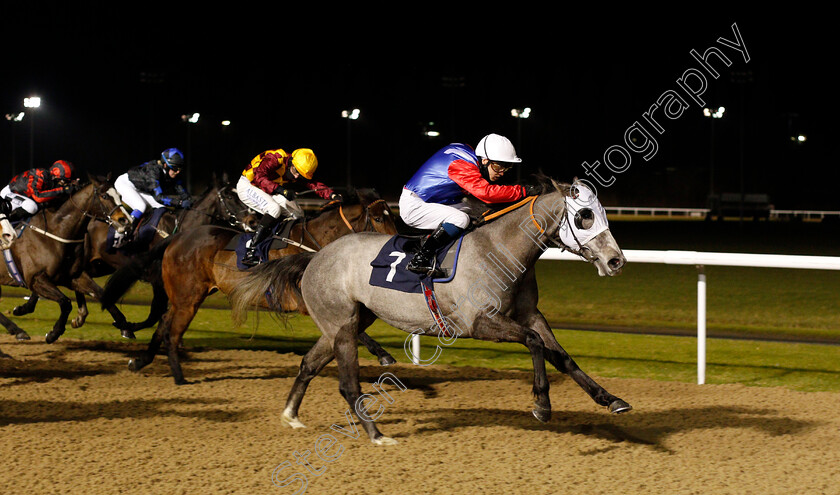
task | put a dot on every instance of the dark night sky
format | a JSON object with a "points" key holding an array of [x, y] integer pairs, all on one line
{"points": [[115, 81]]}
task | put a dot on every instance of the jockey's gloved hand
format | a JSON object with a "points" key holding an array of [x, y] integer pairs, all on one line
{"points": [[336, 197], [186, 204], [288, 193], [531, 190]]}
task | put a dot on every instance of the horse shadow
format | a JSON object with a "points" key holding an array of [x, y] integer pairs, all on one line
{"points": [[649, 429], [46, 411]]}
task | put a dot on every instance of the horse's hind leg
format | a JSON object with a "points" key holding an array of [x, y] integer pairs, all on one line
{"points": [[160, 301], [180, 318], [503, 329], [557, 356], [84, 284], [346, 350], [82, 311], [310, 366]]}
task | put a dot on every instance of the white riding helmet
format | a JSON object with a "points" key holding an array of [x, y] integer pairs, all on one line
{"points": [[497, 148]]}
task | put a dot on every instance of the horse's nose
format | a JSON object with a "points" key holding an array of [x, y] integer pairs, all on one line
{"points": [[616, 263], [123, 221]]}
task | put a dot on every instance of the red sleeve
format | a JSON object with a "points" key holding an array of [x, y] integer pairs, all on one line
{"points": [[268, 165], [466, 175], [40, 195], [320, 189]]}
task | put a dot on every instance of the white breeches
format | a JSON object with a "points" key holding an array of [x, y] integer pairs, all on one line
{"points": [[267, 204], [421, 215], [19, 200], [135, 199]]}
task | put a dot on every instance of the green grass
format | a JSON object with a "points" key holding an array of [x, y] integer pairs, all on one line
{"points": [[741, 302]]}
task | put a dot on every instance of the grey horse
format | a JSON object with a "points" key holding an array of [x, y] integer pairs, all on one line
{"points": [[493, 295]]}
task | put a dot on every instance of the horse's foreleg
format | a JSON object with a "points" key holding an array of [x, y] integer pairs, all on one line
{"points": [[557, 356], [503, 329], [27, 307], [12, 328], [42, 286], [346, 350], [366, 319], [140, 362], [310, 366]]}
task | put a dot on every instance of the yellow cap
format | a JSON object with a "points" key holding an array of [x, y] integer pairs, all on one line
{"points": [[305, 162]]}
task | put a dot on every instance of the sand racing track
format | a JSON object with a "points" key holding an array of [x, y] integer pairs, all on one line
{"points": [[74, 420]]}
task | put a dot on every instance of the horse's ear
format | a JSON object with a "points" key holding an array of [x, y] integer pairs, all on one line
{"points": [[225, 178]]}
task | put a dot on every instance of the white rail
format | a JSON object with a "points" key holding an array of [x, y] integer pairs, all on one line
{"points": [[702, 259], [645, 211]]}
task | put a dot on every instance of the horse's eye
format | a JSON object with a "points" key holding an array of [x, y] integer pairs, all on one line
{"points": [[584, 219]]}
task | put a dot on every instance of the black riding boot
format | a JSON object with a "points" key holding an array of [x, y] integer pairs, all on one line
{"points": [[18, 214], [424, 260], [251, 258]]}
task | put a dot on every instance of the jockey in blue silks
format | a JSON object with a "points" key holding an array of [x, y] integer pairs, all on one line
{"points": [[431, 199]]}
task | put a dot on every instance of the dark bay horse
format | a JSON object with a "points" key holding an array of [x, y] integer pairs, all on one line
{"points": [[46, 254], [218, 205], [195, 263], [493, 295]]}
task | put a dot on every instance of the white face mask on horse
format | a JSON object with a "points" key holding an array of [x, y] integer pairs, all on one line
{"points": [[585, 217]]}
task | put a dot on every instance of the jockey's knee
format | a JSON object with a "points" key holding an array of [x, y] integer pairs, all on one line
{"points": [[272, 209], [458, 219]]}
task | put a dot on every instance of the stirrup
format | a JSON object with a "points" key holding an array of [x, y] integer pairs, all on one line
{"points": [[251, 258], [120, 240]]}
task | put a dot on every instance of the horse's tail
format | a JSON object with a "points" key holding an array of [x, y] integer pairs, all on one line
{"points": [[146, 264], [275, 282]]}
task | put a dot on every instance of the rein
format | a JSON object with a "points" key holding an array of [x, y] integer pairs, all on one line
{"points": [[533, 200], [84, 212]]}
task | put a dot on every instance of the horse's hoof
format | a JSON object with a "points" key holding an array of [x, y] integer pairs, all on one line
{"points": [[618, 406], [3, 355], [291, 422], [136, 364], [75, 323], [21, 335], [387, 360], [383, 440], [542, 414], [127, 334], [20, 311], [50, 338]]}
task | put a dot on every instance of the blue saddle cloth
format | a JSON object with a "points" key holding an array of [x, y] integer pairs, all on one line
{"points": [[142, 238], [239, 244], [389, 267]]}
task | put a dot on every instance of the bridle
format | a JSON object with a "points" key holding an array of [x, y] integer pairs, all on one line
{"points": [[580, 215], [368, 225], [86, 212], [228, 214]]}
